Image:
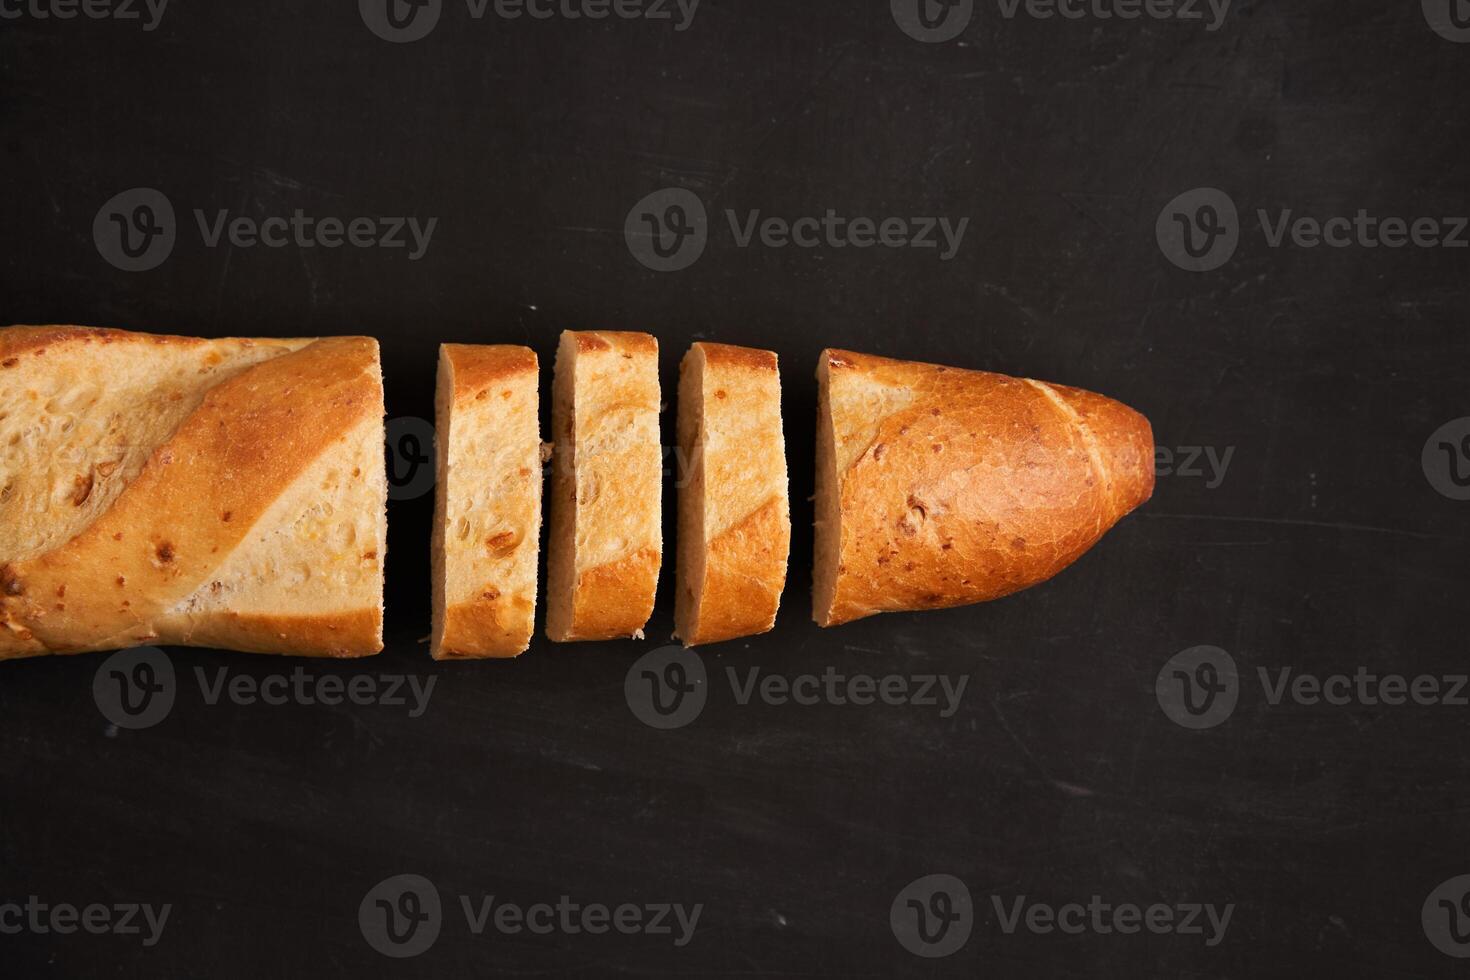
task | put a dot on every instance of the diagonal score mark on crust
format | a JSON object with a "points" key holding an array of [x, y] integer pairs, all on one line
{"points": [[81, 413], [1089, 441], [309, 549]]}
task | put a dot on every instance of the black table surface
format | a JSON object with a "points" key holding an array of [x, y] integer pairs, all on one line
{"points": [[1325, 542]]}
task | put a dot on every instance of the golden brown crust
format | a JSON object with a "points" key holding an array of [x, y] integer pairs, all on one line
{"points": [[25, 339], [731, 356], [628, 341], [353, 633], [491, 625], [613, 601], [36, 340], [969, 486], [477, 366], [745, 571], [121, 579]]}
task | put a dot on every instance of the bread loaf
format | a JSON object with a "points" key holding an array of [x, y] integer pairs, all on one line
{"points": [[487, 508], [938, 486], [172, 490], [606, 540], [734, 515]]}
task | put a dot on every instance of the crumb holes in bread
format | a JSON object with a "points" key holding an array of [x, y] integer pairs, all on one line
{"points": [[342, 537], [81, 488], [502, 543]]}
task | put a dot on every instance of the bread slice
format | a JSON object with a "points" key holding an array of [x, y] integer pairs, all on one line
{"points": [[224, 493], [734, 515], [939, 487], [487, 505], [606, 541]]}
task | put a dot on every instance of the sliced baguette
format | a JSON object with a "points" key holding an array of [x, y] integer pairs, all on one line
{"points": [[938, 486], [606, 542], [487, 508], [156, 489], [734, 515]]}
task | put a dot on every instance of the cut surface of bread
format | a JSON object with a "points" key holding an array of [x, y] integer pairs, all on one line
{"points": [[937, 486], [487, 510], [605, 542], [734, 512], [173, 490]]}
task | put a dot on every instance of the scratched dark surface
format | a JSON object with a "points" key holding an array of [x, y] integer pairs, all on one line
{"points": [[1323, 547]]}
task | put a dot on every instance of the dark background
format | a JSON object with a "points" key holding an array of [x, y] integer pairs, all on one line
{"points": [[1324, 548]]}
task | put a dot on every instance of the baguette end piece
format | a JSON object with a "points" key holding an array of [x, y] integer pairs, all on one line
{"points": [[939, 487]]}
